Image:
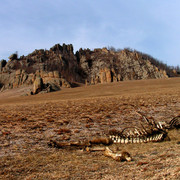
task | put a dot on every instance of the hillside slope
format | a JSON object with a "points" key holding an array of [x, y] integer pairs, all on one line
{"points": [[29, 123]]}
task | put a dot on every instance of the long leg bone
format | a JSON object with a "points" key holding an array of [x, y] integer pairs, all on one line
{"points": [[91, 149], [124, 156]]}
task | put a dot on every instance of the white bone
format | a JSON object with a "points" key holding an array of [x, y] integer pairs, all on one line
{"points": [[137, 131], [126, 140], [150, 139], [140, 140], [131, 133]]}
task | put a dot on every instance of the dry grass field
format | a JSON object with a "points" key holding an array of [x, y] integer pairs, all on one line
{"points": [[27, 123]]}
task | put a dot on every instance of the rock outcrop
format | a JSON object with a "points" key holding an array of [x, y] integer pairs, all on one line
{"points": [[59, 67], [103, 66], [38, 85]]}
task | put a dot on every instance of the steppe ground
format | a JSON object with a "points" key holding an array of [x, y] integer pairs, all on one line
{"points": [[27, 123]]}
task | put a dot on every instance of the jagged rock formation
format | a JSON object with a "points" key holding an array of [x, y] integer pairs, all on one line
{"points": [[60, 67], [103, 66], [57, 67]]}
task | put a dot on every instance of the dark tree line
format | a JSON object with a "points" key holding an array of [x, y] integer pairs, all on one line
{"points": [[170, 70]]}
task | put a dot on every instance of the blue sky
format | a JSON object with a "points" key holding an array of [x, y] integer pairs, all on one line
{"points": [[150, 26]]}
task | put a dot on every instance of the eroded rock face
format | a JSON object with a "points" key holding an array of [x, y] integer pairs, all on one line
{"points": [[103, 66], [60, 67], [105, 75]]}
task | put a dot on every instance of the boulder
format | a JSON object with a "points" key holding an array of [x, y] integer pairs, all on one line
{"points": [[38, 85], [65, 83], [53, 84], [54, 87]]}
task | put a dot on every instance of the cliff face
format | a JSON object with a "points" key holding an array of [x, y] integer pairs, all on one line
{"points": [[103, 66], [60, 67]]}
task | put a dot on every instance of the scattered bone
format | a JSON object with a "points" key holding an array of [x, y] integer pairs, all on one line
{"points": [[156, 132], [124, 156], [81, 144], [54, 143], [101, 140], [91, 149]]}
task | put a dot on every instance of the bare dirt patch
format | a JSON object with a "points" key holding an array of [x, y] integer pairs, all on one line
{"points": [[28, 123]]}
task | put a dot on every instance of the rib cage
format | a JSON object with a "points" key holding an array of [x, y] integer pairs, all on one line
{"points": [[134, 135], [154, 133], [174, 123]]}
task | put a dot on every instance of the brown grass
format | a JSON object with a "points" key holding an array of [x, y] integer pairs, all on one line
{"points": [[28, 123]]}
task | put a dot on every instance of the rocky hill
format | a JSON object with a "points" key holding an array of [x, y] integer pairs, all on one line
{"points": [[49, 70]]}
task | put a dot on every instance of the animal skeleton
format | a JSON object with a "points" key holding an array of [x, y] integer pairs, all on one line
{"points": [[154, 133]]}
